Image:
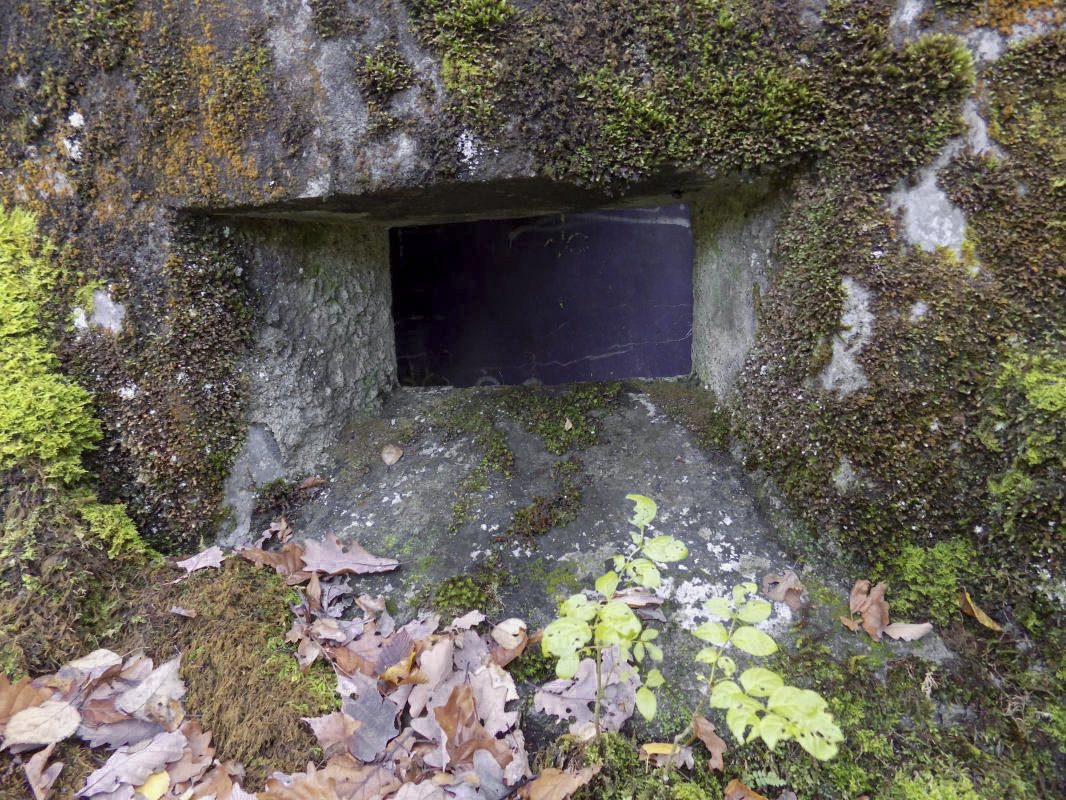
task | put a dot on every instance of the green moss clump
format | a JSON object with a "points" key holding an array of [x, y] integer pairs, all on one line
{"points": [[546, 412], [111, 526], [383, 72], [534, 666], [926, 581], [331, 18], [456, 596], [468, 34], [623, 775], [46, 420], [547, 513], [1026, 428], [63, 554], [929, 786], [695, 408]]}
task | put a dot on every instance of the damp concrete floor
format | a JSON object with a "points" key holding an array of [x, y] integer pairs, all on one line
{"points": [[429, 511]]}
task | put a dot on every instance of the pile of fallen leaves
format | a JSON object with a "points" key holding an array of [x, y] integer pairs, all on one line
{"points": [[423, 712]]}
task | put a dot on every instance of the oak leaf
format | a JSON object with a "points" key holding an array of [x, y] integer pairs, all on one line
{"points": [[908, 631], [50, 722], [211, 558], [196, 759], [785, 588], [554, 784], [333, 558], [38, 776], [157, 697], [735, 790], [376, 716], [714, 743], [133, 764], [287, 561], [14, 697], [333, 731]]}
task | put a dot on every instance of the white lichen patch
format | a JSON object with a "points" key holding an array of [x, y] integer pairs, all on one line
{"points": [[844, 476], [844, 375], [930, 219]]}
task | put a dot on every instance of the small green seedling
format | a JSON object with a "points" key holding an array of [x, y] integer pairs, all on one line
{"points": [[587, 627], [761, 705]]}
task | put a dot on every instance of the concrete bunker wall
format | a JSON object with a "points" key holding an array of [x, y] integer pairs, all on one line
{"points": [[323, 343]]}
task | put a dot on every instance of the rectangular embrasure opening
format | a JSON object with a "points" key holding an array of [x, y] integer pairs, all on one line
{"points": [[601, 295]]}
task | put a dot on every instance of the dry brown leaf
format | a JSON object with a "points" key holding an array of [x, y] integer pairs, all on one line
{"points": [[357, 781], [287, 561], [871, 606], [197, 757], [784, 588], [469, 620], [312, 482], [312, 784], [50, 722], [132, 765], [390, 454], [908, 631], [333, 731], [376, 716], [970, 608], [463, 731], [714, 743], [14, 697], [211, 558], [157, 698], [662, 754], [510, 633], [859, 592], [568, 425], [188, 613], [39, 778], [334, 558], [554, 784], [852, 623], [735, 790]]}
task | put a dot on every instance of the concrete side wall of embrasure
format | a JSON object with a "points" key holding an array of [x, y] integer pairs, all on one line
{"points": [[732, 236], [322, 347]]}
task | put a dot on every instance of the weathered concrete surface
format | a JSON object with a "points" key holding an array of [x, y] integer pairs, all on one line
{"points": [[704, 498], [732, 234], [323, 344]]}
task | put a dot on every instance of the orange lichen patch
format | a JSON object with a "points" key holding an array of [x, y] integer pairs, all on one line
{"points": [[1005, 14]]}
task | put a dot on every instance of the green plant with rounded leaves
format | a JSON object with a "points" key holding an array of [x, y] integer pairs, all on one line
{"points": [[761, 705], [590, 626]]}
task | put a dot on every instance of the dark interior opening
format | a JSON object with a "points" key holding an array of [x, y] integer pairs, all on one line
{"points": [[601, 295]]}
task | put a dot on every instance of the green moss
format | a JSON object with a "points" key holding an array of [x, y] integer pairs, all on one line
{"points": [[693, 407], [111, 526], [242, 676], [332, 18], [534, 667], [624, 776], [383, 72], [467, 34], [46, 420], [929, 786], [565, 418], [925, 582], [456, 596], [547, 513]]}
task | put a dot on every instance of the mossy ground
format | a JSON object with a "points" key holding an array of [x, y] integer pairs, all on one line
{"points": [[244, 685], [694, 407]]}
